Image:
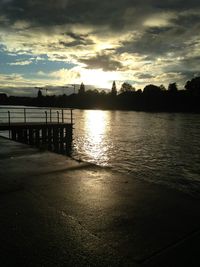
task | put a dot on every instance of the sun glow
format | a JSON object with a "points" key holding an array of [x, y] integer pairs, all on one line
{"points": [[98, 77]]}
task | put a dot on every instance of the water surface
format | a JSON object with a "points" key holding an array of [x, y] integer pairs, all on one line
{"points": [[158, 147]]}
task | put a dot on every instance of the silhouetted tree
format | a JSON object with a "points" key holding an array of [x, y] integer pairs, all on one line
{"points": [[102, 92], [151, 89], [39, 93], [126, 87], [152, 98], [172, 88], [162, 87], [114, 89], [82, 89], [193, 86]]}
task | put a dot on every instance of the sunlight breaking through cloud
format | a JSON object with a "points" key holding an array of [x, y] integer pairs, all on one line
{"points": [[123, 41]]}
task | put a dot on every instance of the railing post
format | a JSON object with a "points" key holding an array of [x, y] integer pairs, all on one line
{"points": [[8, 117], [71, 116], [58, 116], [46, 116], [9, 122], [50, 115], [62, 116], [24, 115]]}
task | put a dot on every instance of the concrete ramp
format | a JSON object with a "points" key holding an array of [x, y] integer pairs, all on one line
{"points": [[59, 212]]}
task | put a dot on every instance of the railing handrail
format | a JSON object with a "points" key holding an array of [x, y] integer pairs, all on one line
{"points": [[27, 107], [45, 114]]}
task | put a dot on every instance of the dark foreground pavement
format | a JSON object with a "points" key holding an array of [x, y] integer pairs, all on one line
{"points": [[57, 212]]}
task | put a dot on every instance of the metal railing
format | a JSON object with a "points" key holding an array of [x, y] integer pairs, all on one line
{"points": [[28, 115]]}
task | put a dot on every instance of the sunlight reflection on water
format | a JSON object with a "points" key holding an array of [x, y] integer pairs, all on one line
{"points": [[93, 139], [158, 147]]}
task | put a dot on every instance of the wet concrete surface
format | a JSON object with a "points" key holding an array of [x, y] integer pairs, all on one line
{"points": [[59, 212]]}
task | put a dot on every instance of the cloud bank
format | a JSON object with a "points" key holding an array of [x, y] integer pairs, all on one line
{"points": [[146, 41]]}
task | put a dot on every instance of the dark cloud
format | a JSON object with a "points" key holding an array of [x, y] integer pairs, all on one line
{"points": [[113, 13], [147, 44], [160, 29], [186, 66], [117, 15], [192, 62], [50, 12], [78, 39], [103, 62], [144, 76], [178, 38], [189, 74]]}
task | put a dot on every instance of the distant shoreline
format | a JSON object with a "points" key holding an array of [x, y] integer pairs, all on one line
{"points": [[107, 109]]}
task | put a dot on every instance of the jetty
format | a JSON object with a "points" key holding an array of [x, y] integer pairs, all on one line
{"points": [[51, 128]]}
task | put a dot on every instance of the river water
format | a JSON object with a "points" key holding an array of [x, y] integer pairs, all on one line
{"points": [[158, 147]]}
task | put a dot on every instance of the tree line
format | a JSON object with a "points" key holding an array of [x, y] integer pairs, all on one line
{"points": [[151, 98]]}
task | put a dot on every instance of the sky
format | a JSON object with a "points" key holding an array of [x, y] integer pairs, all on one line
{"points": [[48, 43]]}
